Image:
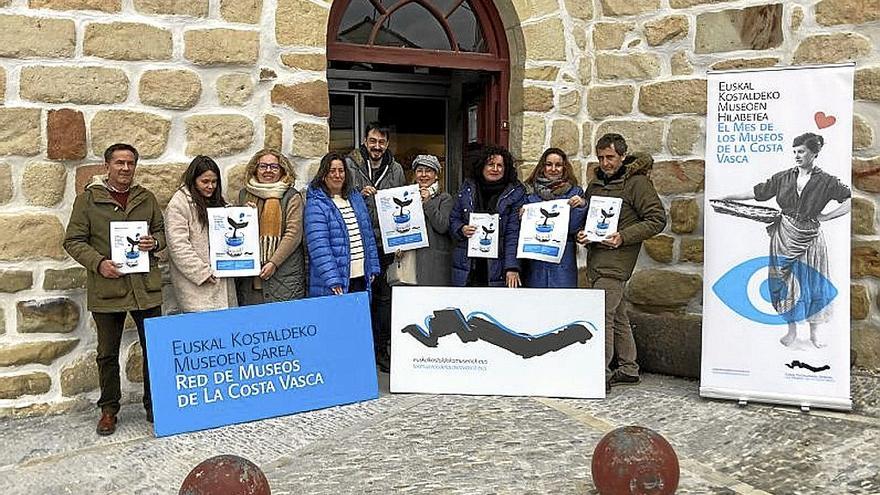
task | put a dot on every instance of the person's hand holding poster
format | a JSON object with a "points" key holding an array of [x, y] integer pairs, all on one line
{"points": [[401, 218], [602, 217], [234, 241], [124, 251], [484, 243], [544, 230]]}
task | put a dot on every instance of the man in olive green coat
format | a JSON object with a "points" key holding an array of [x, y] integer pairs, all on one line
{"points": [[115, 197], [610, 263]]}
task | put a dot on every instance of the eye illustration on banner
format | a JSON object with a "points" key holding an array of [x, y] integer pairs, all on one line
{"points": [[482, 326], [752, 292]]}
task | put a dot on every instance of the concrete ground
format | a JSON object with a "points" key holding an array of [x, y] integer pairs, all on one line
{"points": [[465, 445]]}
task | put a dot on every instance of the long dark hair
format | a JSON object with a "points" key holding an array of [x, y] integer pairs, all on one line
{"points": [[324, 171], [197, 167], [567, 169]]}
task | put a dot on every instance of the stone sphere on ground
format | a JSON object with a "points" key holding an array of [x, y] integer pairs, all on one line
{"points": [[635, 460], [225, 475]]}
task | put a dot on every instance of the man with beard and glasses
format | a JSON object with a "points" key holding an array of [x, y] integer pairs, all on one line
{"points": [[373, 167]]}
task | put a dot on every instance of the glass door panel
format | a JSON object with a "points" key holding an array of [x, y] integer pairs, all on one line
{"points": [[418, 126], [343, 122]]}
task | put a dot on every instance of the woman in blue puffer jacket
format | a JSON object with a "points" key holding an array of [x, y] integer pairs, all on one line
{"points": [[492, 188], [553, 178], [342, 251]]}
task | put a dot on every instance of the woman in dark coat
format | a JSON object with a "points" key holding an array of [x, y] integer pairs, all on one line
{"points": [[493, 188], [553, 178], [339, 235]]}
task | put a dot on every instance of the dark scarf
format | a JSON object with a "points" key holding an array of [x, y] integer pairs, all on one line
{"points": [[376, 175], [605, 179], [488, 194], [549, 190]]}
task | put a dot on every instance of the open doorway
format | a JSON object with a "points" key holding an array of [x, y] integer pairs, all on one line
{"points": [[437, 112], [436, 72]]}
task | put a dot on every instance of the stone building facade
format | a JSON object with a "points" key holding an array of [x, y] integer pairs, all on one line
{"points": [[226, 77]]}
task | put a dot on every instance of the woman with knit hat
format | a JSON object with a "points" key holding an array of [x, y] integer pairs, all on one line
{"points": [[433, 263], [269, 188]]}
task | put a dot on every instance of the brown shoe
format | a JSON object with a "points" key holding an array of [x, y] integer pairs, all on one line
{"points": [[106, 425]]}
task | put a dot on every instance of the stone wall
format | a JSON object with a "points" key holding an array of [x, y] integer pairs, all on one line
{"points": [[224, 77], [641, 65], [174, 78]]}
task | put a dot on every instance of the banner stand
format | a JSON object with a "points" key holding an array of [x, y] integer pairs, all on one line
{"points": [[777, 201]]}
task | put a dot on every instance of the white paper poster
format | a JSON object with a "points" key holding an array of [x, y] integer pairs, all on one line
{"points": [[776, 310], [235, 241], [124, 238], [544, 230], [496, 341], [484, 243], [401, 218], [602, 217]]}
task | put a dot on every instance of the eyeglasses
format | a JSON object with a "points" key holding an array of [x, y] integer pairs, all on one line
{"points": [[274, 167]]}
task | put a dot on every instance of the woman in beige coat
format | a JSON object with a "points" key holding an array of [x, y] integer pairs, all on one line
{"points": [[186, 231]]}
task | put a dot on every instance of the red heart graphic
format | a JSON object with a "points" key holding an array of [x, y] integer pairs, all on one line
{"points": [[823, 121]]}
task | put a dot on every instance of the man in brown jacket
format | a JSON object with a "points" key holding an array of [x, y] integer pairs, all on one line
{"points": [[111, 295], [610, 263]]}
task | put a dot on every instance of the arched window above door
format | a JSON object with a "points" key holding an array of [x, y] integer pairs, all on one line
{"points": [[449, 25], [411, 35], [464, 34]]}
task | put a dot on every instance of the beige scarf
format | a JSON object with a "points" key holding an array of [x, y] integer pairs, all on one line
{"points": [[269, 213]]}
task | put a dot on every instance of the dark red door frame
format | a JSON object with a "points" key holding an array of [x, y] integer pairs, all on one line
{"points": [[497, 60]]}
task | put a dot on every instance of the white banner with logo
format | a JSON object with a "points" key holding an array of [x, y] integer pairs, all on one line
{"points": [[776, 311], [498, 341]]}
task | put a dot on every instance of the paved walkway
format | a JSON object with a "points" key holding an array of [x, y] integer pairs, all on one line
{"points": [[465, 445]]}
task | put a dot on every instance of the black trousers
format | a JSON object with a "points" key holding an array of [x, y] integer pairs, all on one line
{"points": [[358, 284], [380, 305], [110, 326]]}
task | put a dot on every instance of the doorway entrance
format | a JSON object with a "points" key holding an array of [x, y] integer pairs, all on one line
{"points": [[433, 113], [435, 71]]}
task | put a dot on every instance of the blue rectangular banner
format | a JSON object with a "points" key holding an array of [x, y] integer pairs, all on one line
{"points": [[222, 367]]}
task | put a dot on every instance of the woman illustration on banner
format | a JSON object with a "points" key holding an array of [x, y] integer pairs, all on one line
{"points": [[798, 267], [269, 189], [186, 231], [492, 188], [342, 250], [553, 178]]}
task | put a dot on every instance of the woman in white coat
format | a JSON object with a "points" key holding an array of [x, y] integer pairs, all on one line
{"points": [[186, 231]]}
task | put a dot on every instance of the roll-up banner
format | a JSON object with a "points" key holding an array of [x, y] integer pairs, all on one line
{"points": [[776, 323]]}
